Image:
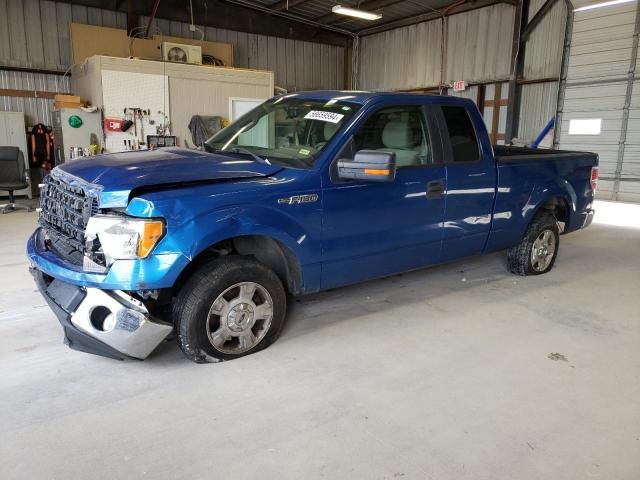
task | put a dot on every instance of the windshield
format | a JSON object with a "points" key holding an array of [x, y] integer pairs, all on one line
{"points": [[285, 131]]}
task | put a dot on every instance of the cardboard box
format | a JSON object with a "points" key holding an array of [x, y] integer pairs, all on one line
{"points": [[89, 40], [58, 105], [68, 99]]}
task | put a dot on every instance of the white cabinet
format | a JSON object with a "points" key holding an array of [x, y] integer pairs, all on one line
{"points": [[169, 93], [13, 134]]}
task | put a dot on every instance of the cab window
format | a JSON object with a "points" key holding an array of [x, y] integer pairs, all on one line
{"points": [[401, 130], [462, 136]]}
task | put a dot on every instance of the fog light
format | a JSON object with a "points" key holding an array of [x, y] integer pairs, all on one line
{"points": [[102, 319]]}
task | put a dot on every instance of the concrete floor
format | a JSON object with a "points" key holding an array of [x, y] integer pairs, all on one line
{"points": [[458, 372]]}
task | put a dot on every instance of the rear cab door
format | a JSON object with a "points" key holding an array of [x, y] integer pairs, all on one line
{"points": [[470, 179], [376, 229]]}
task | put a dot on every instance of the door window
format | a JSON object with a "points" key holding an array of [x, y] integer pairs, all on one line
{"points": [[400, 130]]}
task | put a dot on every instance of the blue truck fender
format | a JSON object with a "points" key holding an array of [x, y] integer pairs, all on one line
{"points": [[544, 197], [273, 236]]}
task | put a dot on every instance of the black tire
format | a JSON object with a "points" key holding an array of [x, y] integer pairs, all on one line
{"points": [[192, 305], [519, 257]]}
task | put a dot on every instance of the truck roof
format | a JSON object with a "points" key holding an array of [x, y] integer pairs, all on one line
{"points": [[360, 96]]}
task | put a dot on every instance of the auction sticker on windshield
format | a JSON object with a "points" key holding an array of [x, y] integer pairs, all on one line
{"points": [[331, 117]]}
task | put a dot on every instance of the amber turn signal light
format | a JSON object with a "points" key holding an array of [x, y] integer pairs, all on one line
{"points": [[371, 171], [150, 233]]}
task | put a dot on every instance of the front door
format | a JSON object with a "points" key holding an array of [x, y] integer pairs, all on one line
{"points": [[375, 229]]}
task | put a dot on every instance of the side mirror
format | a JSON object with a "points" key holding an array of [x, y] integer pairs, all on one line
{"points": [[372, 165]]}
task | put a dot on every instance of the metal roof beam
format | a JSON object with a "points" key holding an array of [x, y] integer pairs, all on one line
{"points": [[154, 10], [537, 18], [286, 4]]}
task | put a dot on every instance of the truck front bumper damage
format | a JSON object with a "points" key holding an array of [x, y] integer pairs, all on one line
{"points": [[108, 323]]}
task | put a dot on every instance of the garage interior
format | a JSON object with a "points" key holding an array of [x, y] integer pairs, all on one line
{"points": [[461, 370]]}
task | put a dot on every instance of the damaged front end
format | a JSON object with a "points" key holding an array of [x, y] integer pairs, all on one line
{"points": [[112, 323], [72, 254]]}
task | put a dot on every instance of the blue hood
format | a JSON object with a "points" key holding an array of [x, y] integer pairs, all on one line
{"points": [[117, 174]]}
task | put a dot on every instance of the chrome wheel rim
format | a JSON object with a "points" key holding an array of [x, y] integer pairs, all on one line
{"points": [[542, 251], [239, 318]]}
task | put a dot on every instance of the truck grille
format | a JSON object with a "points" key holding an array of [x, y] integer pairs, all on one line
{"points": [[66, 206]]}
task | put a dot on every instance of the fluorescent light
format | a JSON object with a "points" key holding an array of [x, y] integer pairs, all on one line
{"points": [[602, 4], [352, 12]]}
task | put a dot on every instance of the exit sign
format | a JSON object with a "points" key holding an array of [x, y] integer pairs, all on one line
{"points": [[459, 86]]}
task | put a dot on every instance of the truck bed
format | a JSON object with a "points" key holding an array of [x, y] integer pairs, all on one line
{"points": [[527, 175], [507, 154]]}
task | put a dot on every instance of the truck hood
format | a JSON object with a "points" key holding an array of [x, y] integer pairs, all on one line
{"points": [[116, 175]]}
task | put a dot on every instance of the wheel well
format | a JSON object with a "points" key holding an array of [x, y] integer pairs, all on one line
{"points": [[558, 207], [268, 251]]}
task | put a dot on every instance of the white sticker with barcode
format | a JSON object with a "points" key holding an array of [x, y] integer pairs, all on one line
{"points": [[331, 117]]}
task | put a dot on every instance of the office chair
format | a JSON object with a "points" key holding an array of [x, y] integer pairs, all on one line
{"points": [[13, 176]]}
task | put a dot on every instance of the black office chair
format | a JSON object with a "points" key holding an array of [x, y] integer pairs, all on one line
{"points": [[13, 176]]}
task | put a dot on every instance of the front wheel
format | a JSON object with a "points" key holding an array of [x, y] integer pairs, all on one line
{"points": [[231, 307], [537, 251]]}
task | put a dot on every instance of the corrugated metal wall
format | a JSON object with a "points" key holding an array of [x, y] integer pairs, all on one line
{"points": [[479, 44], [538, 104], [35, 109], [543, 54], [296, 65], [35, 34], [600, 85], [543, 60], [409, 57]]}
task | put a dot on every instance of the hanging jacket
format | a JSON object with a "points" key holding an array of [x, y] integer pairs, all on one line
{"points": [[40, 145]]}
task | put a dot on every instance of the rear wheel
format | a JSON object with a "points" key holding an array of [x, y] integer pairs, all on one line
{"points": [[537, 251], [229, 308]]}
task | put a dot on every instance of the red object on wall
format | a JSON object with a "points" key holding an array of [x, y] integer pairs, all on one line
{"points": [[112, 124]]}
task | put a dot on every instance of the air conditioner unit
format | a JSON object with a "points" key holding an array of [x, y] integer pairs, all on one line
{"points": [[181, 53]]}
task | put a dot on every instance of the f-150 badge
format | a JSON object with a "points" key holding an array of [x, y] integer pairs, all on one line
{"points": [[297, 199]]}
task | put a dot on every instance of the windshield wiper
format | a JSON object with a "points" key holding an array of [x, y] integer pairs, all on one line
{"points": [[257, 158], [241, 150]]}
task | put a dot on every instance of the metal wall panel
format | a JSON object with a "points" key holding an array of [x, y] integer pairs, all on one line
{"points": [[599, 85], [296, 65], [601, 43], [543, 52], [35, 33], [402, 58], [537, 107], [479, 44], [478, 50], [35, 109]]}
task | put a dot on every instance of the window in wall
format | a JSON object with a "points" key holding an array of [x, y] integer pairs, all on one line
{"points": [[400, 130], [493, 105], [585, 126], [462, 135]]}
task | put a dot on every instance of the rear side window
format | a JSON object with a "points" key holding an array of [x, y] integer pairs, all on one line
{"points": [[464, 144]]}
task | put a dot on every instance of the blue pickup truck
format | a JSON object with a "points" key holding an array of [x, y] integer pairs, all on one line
{"points": [[307, 192]]}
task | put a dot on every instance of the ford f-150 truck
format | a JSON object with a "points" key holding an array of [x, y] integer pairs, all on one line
{"points": [[307, 192]]}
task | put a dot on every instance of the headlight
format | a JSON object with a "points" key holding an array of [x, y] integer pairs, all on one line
{"points": [[124, 238]]}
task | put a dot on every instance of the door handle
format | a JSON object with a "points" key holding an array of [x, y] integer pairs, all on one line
{"points": [[435, 189]]}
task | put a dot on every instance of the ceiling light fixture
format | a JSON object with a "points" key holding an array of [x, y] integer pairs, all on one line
{"points": [[602, 4], [352, 12]]}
